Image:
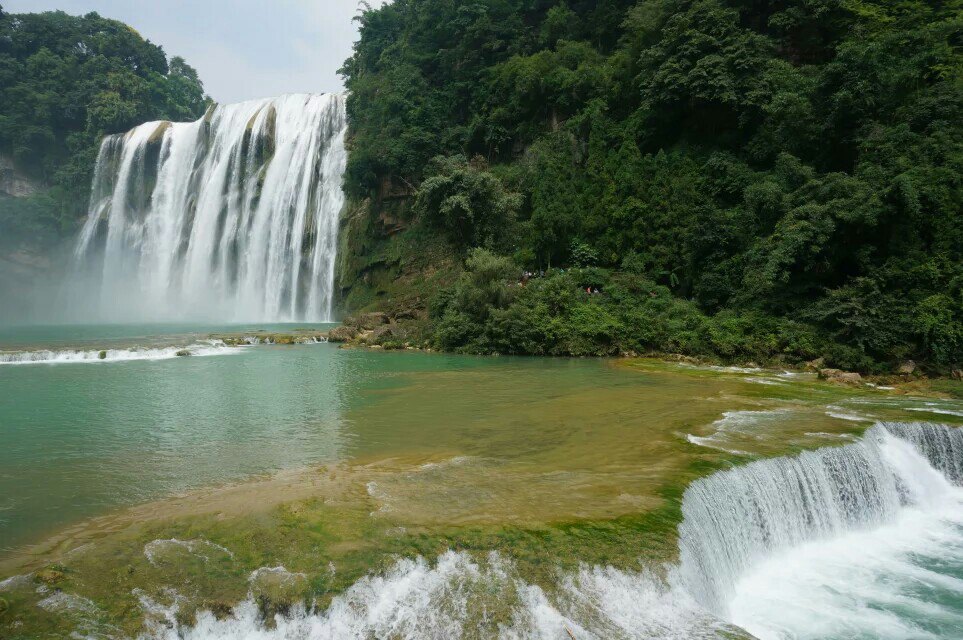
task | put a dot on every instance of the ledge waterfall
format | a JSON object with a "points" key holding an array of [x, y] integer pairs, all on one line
{"points": [[233, 217]]}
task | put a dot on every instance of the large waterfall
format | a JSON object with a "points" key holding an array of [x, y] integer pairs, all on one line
{"points": [[233, 217]]}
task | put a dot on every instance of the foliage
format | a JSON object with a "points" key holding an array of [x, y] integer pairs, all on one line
{"points": [[784, 174], [65, 83], [467, 202]]}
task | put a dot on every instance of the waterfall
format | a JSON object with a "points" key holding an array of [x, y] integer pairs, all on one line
{"points": [[233, 217], [735, 520], [883, 518]]}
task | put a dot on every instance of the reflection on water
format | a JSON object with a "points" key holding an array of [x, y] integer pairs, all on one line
{"points": [[456, 439]]}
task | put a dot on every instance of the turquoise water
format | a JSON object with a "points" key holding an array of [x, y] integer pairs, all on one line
{"points": [[78, 439], [440, 441]]}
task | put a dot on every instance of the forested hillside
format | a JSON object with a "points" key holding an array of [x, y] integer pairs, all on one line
{"points": [[753, 180], [65, 83]]}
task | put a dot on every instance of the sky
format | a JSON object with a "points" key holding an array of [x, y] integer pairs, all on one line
{"points": [[242, 49]]}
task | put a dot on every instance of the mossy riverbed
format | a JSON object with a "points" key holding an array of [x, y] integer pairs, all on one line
{"points": [[551, 465]]}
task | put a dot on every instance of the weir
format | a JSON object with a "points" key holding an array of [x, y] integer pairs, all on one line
{"points": [[233, 217], [736, 519]]}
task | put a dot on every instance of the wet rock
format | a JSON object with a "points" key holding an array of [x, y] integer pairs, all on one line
{"points": [[182, 353], [344, 333], [218, 608], [839, 376], [906, 368], [4, 605], [102, 355], [49, 576]]}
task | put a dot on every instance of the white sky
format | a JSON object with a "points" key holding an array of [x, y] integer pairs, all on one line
{"points": [[242, 49]]}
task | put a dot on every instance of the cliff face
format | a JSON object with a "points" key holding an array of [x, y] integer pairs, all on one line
{"points": [[387, 259], [25, 255], [13, 182]]}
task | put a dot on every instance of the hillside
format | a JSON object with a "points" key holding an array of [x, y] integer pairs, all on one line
{"points": [[66, 82], [747, 180]]}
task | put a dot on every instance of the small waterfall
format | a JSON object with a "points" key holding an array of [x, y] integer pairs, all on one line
{"points": [[233, 217], [733, 522], [736, 519]]}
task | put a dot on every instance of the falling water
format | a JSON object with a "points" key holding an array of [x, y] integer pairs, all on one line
{"points": [[858, 541], [869, 534], [230, 218]]}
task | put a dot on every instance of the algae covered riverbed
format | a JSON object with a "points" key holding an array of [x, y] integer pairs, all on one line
{"points": [[316, 484]]}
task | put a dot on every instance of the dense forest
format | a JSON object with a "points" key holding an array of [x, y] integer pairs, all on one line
{"points": [[750, 180], [65, 83]]}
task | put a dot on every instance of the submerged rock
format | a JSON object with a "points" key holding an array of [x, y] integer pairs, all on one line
{"points": [[49, 576]]}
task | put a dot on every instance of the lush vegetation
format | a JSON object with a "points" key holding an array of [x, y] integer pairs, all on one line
{"points": [[747, 179], [65, 83]]}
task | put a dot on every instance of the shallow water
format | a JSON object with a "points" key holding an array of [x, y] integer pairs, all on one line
{"points": [[429, 444]]}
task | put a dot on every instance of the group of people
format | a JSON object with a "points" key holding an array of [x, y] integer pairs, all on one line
{"points": [[528, 275]]}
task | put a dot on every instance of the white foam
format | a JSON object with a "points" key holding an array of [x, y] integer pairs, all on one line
{"points": [[871, 583], [932, 408], [93, 356], [414, 599], [740, 423], [199, 547]]}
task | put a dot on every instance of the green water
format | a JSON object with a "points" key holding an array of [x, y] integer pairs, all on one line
{"points": [[392, 452]]}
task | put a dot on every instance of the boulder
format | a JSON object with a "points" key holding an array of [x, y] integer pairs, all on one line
{"points": [[182, 353], [815, 365], [344, 333], [840, 377], [906, 368]]}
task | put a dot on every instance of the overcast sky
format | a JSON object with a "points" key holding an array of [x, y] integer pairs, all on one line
{"points": [[242, 49]]}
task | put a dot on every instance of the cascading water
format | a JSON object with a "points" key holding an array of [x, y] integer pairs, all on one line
{"points": [[233, 217], [859, 541], [869, 535]]}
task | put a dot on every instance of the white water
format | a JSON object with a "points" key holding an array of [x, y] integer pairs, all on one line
{"points": [[858, 541], [67, 356], [233, 217]]}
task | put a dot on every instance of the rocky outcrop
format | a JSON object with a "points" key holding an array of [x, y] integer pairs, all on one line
{"points": [[344, 333], [839, 376], [13, 182]]}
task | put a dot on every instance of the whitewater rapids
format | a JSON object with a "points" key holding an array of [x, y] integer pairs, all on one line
{"points": [[863, 540], [233, 217]]}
